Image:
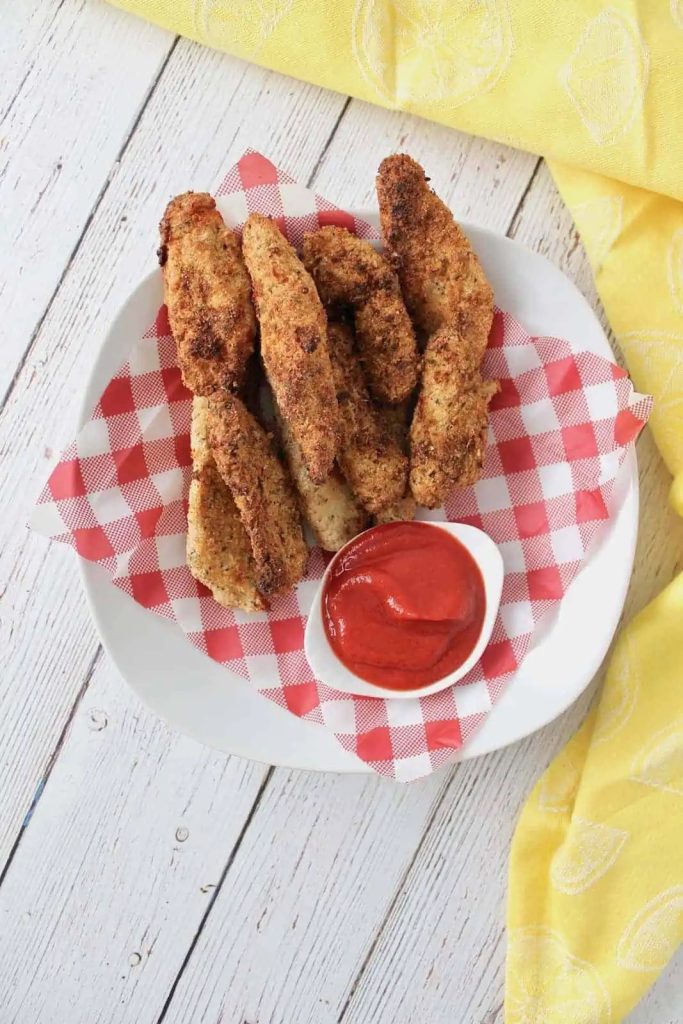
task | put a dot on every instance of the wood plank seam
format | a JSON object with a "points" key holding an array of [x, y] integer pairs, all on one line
{"points": [[214, 894], [390, 908], [520, 205], [98, 200], [31, 64], [323, 153], [52, 760]]}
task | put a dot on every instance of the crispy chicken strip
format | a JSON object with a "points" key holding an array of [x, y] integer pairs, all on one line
{"points": [[449, 428], [441, 278], [208, 294], [373, 464], [349, 272], [395, 421], [293, 343], [262, 491], [399, 511], [334, 514], [218, 549]]}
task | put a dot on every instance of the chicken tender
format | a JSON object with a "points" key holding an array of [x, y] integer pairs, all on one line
{"points": [[218, 549], [373, 464], [208, 294], [293, 344], [348, 271], [395, 420], [262, 493], [449, 428], [332, 512], [441, 278], [399, 511]]}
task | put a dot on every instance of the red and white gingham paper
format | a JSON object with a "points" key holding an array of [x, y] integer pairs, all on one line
{"points": [[560, 429]]}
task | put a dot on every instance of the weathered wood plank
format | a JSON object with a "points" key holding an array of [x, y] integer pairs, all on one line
{"points": [[118, 866], [482, 181], [72, 113]]}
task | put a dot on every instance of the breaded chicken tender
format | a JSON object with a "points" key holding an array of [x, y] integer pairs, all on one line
{"points": [[208, 294], [333, 513], [218, 549], [441, 278], [449, 428], [399, 511], [395, 420], [373, 464], [293, 343], [262, 492], [348, 271]]}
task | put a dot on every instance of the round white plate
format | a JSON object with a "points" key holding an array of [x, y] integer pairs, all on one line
{"points": [[216, 707]]}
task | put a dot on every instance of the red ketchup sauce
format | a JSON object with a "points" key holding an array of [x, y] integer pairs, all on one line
{"points": [[404, 605]]}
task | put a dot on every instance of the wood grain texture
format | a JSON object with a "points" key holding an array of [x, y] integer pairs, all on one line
{"points": [[119, 865], [481, 180], [335, 898], [50, 180], [299, 909]]}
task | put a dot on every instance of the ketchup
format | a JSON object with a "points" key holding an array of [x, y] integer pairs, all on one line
{"points": [[403, 606]]}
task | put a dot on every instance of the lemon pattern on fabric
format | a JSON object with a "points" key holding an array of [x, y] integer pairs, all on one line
{"points": [[652, 937], [675, 269], [589, 851], [566, 991], [599, 224], [559, 785], [606, 76], [220, 21], [619, 700], [659, 354], [442, 50], [659, 763]]}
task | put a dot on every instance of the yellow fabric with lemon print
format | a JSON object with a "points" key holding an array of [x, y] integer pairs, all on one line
{"points": [[596, 884]]}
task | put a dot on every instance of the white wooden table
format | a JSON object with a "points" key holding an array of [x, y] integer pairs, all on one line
{"points": [[145, 878]]}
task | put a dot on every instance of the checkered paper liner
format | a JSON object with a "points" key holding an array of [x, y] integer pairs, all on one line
{"points": [[560, 428]]}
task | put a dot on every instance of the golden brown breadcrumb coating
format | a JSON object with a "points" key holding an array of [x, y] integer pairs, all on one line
{"points": [[449, 428], [348, 271], [293, 343], [332, 511], [402, 510], [262, 492], [373, 464], [441, 278], [208, 294], [395, 420], [218, 549]]}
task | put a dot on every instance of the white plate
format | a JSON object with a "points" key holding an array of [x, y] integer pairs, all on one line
{"points": [[216, 707]]}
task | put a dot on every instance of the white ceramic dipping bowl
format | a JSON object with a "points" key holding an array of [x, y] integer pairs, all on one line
{"points": [[330, 670]]}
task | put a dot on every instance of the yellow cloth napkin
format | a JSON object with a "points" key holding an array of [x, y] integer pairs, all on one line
{"points": [[596, 883]]}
